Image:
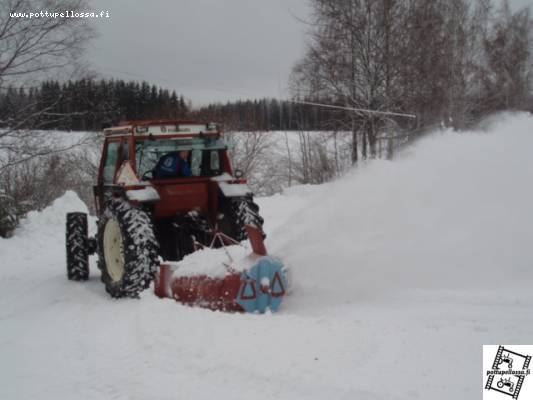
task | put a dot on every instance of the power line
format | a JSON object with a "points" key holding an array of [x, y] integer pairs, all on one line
{"points": [[363, 110]]}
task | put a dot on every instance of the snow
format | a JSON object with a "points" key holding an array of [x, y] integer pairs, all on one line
{"points": [[216, 263], [223, 177], [146, 194], [62, 141], [400, 270], [450, 215], [46, 222], [234, 189]]}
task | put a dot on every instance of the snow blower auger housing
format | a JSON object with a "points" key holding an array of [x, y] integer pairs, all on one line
{"points": [[166, 189]]}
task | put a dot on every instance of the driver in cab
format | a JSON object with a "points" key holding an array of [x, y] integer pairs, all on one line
{"points": [[174, 165]]}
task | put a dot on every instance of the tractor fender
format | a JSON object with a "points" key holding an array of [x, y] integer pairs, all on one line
{"points": [[231, 187]]}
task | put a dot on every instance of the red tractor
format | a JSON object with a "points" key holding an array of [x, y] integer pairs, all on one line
{"points": [[149, 221]]}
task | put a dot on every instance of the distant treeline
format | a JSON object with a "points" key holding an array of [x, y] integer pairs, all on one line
{"points": [[268, 114], [87, 104]]}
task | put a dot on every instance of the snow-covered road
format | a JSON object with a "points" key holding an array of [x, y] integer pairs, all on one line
{"points": [[401, 271]]}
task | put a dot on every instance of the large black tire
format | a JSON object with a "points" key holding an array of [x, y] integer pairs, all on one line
{"points": [[77, 244], [236, 214], [127, 249]]}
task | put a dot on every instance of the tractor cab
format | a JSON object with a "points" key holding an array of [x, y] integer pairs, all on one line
{"points": [[142, 144], [133, 152]]}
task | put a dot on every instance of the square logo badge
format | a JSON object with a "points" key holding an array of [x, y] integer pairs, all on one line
{"points": [[506, 372]]}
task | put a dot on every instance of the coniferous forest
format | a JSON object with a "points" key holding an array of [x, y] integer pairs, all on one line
{"points": [[87, 104]]}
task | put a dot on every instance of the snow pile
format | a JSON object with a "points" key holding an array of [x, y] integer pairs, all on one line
{"points": [[401, 271], [51, 221], [38, 243], [451, 214]]}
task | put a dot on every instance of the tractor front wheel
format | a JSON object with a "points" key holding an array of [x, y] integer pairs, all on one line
{"points": [[77, 243], [237, 214], [127, 249]]}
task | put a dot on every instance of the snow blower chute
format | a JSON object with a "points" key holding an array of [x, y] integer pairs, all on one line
{"points": [[166, 189]]}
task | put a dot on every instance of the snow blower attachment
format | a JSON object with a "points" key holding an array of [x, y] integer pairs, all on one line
{"points": [[165, 190], [258, 288]]}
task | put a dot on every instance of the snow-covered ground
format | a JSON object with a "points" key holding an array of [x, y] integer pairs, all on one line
{"points": [[401, 271]]}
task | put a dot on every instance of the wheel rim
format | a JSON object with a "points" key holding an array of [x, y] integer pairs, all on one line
{"points": [[113, 250]]}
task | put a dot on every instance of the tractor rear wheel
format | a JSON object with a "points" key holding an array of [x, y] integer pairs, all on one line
{"points": [[127, 249], [77, 243]]}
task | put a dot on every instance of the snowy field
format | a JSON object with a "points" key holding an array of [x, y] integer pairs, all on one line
{"points": [[401, 271]]}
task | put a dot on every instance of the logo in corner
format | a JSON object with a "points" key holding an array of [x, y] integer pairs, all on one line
{"points": [[509, 371]]}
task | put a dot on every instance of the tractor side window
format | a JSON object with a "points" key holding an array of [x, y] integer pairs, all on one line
{"points": [[196, 162], [111, 161], [210, 162], [214, 161]]}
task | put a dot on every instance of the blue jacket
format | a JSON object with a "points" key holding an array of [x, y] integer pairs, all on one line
{"points": [[172, 165]]}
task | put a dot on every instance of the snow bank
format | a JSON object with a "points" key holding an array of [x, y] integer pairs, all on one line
{"points": [[452, 213], [38, 242], [51, 221]]}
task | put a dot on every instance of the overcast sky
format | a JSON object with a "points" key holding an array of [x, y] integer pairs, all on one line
{"points": [[207, 50]]}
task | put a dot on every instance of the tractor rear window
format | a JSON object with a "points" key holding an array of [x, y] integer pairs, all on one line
{"points": [[204, 157]]}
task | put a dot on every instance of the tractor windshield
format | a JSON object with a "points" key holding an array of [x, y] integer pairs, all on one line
{"points": [[204, 154]]}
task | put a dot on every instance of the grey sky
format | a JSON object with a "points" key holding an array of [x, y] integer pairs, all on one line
{"points": [[207, 50]]}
